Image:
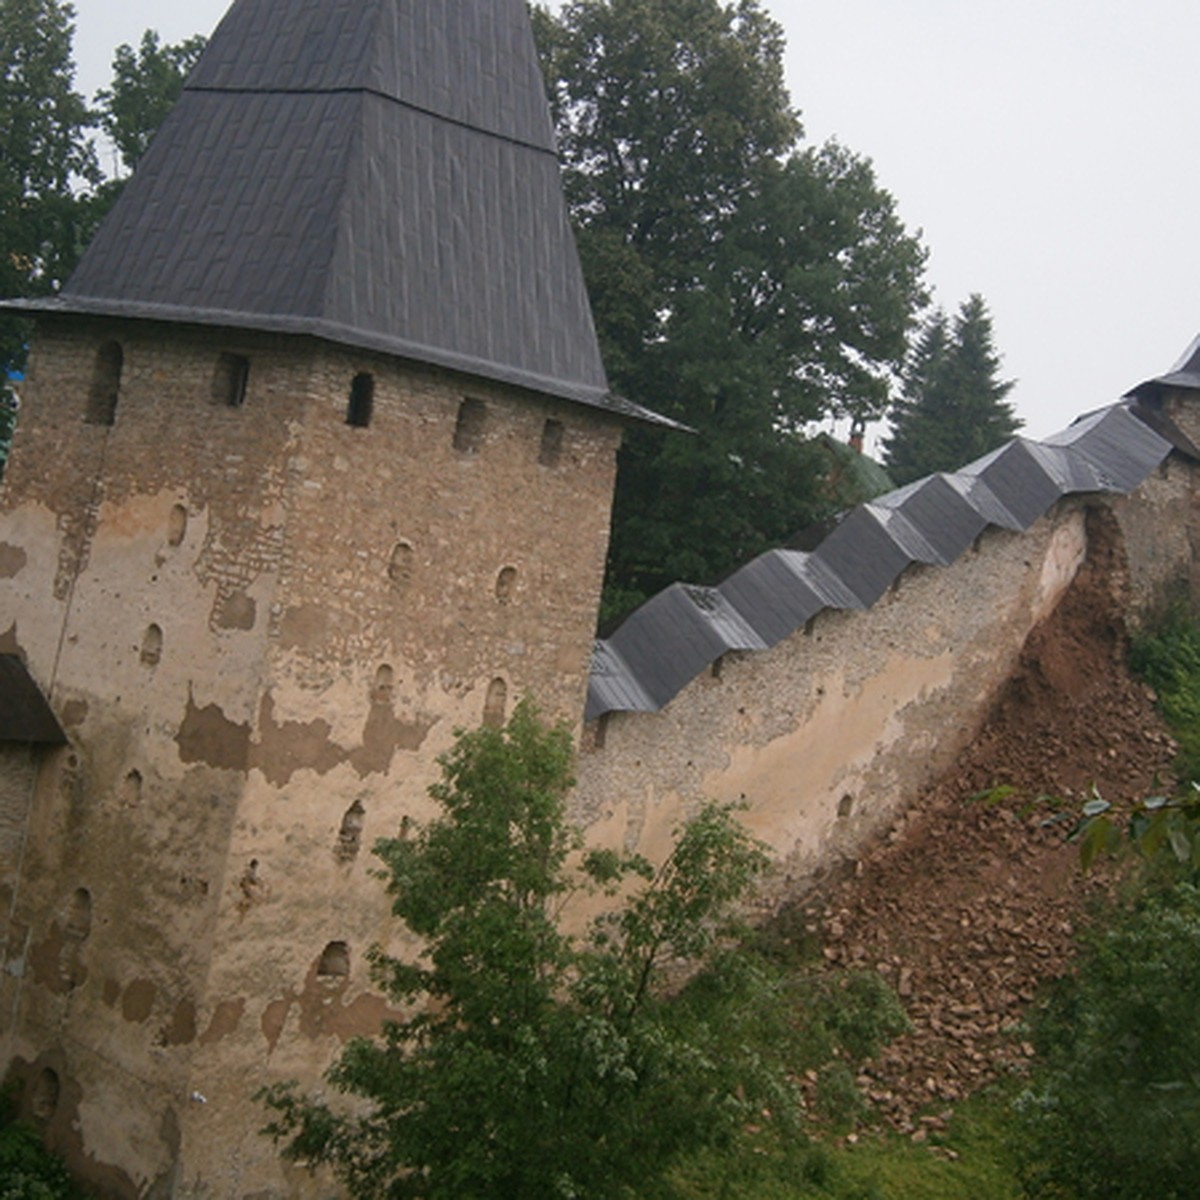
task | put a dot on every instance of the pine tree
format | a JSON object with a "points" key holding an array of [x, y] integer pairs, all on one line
{"points": [[953, 408]]}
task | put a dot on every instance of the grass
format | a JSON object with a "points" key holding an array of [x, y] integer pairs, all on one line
{"points": [[970, 1160]]}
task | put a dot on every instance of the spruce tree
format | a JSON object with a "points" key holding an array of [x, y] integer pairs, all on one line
{"points": [[952, 408]]}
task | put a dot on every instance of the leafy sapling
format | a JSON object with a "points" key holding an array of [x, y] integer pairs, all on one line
{"points": [[536, 1063]]}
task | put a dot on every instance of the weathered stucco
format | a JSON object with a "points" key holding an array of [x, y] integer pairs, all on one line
{"points": [[826, 734], [260, 624]]}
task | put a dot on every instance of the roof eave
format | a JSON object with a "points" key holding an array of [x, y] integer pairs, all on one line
{"points": [[342, 335]]}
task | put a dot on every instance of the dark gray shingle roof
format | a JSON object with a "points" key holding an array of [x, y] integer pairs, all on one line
{"points": [[1184, 374], [669, 640], [381, 173]]}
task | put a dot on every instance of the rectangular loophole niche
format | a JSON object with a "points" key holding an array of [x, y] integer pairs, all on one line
{"points": [[550, 453], [105, 386], [362, 400], [231, 378], [469, 428]]}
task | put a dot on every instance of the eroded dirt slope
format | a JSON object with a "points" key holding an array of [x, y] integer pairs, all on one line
{"points": [[970, 902]]}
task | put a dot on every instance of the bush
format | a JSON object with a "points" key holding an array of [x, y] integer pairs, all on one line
{"points": [[1113, 1112], [537, 1064], [1169, 660], [28, 1171]]}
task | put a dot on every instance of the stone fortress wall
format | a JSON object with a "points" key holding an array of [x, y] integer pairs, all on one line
{"points": [[828, 735], [260, 577], [259, 625], [260, 617]]}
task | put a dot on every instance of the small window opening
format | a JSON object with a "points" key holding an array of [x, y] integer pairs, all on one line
{"points": [[79, 915], [552, 443], [106, 384], [506, 583], [600, 731], [809, 626], [350, 833], [400, 565], [231, 379], [335, 961], [384, 686], [494, 705], [718, 665], [131, 789], [43, 1099], [152, 644], [845, 805], [468, 430], [362, 400], [177, 524]]}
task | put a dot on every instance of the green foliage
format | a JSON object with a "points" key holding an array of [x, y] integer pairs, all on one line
{"points": [[45, 158], [740, 283], [537, 1063], [27, 1170], [9, 404], [145, 85], [1168, 658], [953, 408], [970, 1160], [1163, 829], [1113, 1112]]}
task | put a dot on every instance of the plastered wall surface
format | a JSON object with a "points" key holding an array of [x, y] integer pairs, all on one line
{"points": [[825, 736], [260, 624], [1160, 538]]}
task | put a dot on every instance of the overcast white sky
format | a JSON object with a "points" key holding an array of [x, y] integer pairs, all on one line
{"points": [[1046, 148]]}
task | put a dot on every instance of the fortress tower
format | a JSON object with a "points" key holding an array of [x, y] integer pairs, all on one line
{"points": [[314, 467]]}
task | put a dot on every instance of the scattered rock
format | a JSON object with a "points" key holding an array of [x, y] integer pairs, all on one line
{"points": [[977, 902]]}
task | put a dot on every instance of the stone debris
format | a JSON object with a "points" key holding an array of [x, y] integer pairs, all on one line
{"points": [[976, 900]]}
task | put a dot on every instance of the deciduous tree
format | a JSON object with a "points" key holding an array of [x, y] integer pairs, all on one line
{"points": [[145, 85], [1113, 1108], [741, 284], [46, 158], [536, 1063]]}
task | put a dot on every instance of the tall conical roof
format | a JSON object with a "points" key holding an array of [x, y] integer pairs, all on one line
{"points": [[380, 173]]}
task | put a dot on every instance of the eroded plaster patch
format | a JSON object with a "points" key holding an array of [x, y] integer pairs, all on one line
{"points": [[12, 560], [208, 736], [224, 1021]]}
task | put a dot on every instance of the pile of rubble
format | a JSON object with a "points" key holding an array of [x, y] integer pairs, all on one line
{"points": [[976, 896]]}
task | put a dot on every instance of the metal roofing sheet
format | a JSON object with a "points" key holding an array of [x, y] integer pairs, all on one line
{"points": [[946, 518], [24, 714], [864, 555], [1124, 448], [934, 520], [680, 632], [612, 686], [1070, 471], [1018, 479], [468, 61], [1184, 374], [774, 595], [907, 535]]}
